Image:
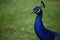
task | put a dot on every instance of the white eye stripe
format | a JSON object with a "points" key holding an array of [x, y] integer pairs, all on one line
{"points": [[38, 11]]}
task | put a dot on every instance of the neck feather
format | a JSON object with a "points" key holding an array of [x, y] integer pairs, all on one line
{"points": [[39, 15]]}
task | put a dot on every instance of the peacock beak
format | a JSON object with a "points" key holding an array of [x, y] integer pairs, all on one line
{"points": [[32, 12]]}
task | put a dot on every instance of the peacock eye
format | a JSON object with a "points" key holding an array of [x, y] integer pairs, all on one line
{"points": [[37, 9]]}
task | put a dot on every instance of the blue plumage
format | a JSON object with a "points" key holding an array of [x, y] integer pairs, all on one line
{"points": [[40, 30]]}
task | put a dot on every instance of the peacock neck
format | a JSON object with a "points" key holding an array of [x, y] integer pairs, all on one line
{"points": [[38, 22], [39, 19], [41, 31], [39, 15]]}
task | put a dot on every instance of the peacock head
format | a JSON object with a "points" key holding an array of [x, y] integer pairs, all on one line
{"points": [[37, 10]]}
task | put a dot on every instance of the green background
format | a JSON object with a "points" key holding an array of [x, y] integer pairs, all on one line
{"points": [[17, 22]]}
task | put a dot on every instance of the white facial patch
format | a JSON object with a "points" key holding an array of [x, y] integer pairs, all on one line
{"points": [[38, 11]]}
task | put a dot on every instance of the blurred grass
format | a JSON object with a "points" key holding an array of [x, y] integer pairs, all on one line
{"points": [[17, 23]]}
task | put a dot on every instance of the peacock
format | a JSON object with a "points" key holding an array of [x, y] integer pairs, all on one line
{"points": [[40, 30]]}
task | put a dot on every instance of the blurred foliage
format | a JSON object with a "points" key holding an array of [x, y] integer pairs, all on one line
{"points": [[52, 0], [5, 1]]}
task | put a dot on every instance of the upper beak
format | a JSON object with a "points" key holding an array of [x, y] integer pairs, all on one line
{"points": [[32, 12]]}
